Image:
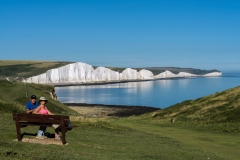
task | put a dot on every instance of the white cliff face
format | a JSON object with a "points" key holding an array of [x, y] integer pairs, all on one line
{"points": [[145, 74], [185, 74], [213, 74], [75, 72], [166, 74], [128, 74], [102, 74], [37, 79], [53, 76], [42, 78], [84, 73]]}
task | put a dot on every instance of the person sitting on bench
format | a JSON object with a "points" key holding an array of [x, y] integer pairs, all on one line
{"points": [[30, 106], [42, 109]]}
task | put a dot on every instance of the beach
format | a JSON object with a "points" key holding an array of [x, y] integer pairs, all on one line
{"points": [[99, 110]]}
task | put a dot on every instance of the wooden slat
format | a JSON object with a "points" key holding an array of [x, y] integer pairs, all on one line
{"points": [[36, 116], [41, 118], [52, 121], [34, 124]]}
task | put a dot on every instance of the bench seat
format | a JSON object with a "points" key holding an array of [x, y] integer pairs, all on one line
{"points": [[24, 120]]}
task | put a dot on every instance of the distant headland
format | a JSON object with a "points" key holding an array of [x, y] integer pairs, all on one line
{"points": [[82, 73]]}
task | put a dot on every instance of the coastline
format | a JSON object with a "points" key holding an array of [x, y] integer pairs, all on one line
{"points": [[113, 82], [79, 72]]}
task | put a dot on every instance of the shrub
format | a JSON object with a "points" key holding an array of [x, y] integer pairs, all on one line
{"points": [[10, 108]]}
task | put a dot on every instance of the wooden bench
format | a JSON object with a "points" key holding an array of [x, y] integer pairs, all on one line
{"points": [[24, 120]]}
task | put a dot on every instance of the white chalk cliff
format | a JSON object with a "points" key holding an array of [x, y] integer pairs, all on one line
{"points": [[145, 74], [128, 74], [84, 73], [102, 74], [168, 74], [213, 74]]}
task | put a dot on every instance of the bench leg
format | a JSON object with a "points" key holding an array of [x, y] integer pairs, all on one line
{"points": [[63, 131], [19, 136], [63, 134], [63, 138]]}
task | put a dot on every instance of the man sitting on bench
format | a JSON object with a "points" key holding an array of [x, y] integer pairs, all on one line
{"points": [[30, 107]]}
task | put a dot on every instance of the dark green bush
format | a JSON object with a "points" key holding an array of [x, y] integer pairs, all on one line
{"points": [[10, 108]]}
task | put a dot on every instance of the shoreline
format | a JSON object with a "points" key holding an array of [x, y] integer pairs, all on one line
{"points": [[112, 82]]}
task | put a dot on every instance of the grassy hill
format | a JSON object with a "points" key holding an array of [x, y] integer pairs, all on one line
{"points": [[26, 69], [91, 139], [215, 108], [13, 97], [219, 112]]}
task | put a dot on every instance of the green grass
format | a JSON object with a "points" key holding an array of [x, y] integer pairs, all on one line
{"points": [[217, 108], [223, 145], [13, 94], [102, 139], [26, 69], [99, 140], [217, 113], [10, 108]]}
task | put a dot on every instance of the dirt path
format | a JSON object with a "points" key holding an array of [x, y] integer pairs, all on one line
{"points": [[41, 141]]}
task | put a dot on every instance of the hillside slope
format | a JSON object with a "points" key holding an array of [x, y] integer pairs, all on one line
{"points": [[222, 107], [26, 68], [13, 97]]}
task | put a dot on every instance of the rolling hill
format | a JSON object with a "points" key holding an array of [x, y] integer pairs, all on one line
{"points": [[14, 95]]}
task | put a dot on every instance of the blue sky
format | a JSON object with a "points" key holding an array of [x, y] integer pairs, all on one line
{"points": [[123, 33]]}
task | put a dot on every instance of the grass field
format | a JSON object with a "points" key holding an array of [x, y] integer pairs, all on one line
{"points": [[99, 140], [225, 145], [26, 69]]}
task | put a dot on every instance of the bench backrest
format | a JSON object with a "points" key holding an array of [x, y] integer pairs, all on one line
{"points": [[53, 119]]}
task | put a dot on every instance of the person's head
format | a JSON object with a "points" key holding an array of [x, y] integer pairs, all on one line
{"points": [[33, 98], [42, 100]]}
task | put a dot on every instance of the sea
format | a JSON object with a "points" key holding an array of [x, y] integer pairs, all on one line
{"points": [[157, 93]]}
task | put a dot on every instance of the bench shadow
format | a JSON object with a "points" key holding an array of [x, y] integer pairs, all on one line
{"points": [[47, 134], [28, 134]]}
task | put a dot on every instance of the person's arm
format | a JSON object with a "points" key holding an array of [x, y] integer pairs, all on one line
{"points": [[36, 110], [50, 113], [29, 111]]}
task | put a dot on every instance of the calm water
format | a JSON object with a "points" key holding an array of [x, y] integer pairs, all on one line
{"points": [[159, 93]]}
